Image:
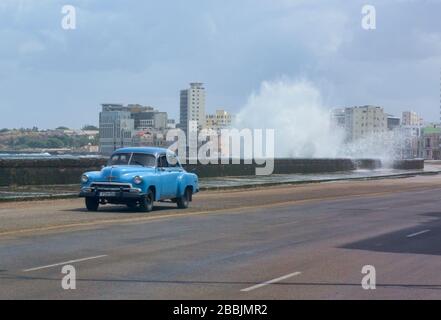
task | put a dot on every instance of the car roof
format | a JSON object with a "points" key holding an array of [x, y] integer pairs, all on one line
{"points": [[147, 150]]}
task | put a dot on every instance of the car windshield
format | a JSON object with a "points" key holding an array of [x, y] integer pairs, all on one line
{"points": [[140, 159]]}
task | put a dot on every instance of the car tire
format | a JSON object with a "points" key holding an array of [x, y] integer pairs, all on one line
{"points": [[184, 200], [92, 203], [146, 203]]}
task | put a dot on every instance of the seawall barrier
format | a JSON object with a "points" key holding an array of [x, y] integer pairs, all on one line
{"points": [[68, 171]]}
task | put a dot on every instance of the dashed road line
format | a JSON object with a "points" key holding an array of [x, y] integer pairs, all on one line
{"points": [[64, 263], [263, 284], [417, 233]]}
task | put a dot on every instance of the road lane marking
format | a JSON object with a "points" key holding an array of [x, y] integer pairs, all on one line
{"points": [[263, 284], [64, 263], [417, 233]]}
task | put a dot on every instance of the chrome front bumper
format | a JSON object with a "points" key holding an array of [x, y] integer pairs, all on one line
{"points": [[111, 190]]}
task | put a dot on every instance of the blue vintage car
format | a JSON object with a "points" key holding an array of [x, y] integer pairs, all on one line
{"points": [[137, 177]]}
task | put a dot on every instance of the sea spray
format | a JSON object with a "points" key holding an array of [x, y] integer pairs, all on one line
{"points": [[303, 127], [294, 110]]}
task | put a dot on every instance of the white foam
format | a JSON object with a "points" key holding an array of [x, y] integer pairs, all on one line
{"points": [[302, 124]]}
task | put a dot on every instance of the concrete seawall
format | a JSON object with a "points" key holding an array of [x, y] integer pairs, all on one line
{"points": [[45, 171], [68, 171]]}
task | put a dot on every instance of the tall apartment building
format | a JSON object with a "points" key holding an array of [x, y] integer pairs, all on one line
{"points": [[192, 106], [364, 121], [220, 120], [411, 118], [123, 126]]}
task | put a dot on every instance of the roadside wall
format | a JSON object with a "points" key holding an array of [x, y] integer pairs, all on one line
{"points": [[45, 171], [68, 171], [410, 164]]}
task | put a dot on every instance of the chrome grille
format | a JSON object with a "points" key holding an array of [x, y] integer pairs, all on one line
{"points": [[111, 186]]}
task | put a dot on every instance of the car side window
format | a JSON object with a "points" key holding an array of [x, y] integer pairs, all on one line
{"points": [[172, 160], [146, 160], [162, 162]]}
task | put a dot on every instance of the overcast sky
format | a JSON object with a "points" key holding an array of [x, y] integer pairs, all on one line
{"points": [[144, 52]]}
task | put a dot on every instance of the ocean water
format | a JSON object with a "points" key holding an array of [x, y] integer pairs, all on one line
{"points": [[45, 155]]}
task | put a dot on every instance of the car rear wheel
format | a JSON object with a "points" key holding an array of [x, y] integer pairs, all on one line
{"points": [[146, 204], [184, 200], [92, 204]]}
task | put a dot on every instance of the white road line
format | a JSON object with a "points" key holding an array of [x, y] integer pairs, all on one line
{"points": [[64, 263], [417, 233], [260, 285]]}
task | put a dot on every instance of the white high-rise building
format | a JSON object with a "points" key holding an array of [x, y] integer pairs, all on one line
{"points": [[192, 106], [364, 121]]}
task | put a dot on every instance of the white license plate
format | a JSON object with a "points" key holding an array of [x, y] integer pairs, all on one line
{"points": [[107, 194]]}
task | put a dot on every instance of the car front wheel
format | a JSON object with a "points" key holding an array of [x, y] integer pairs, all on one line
{"points": [[92, 204], [146, 203], [184, 200]]}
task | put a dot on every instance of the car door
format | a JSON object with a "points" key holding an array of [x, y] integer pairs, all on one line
{"points": [[174, 169], [166, 178]]}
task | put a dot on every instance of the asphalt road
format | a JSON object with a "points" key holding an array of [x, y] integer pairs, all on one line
{"points": [[290, 242]]}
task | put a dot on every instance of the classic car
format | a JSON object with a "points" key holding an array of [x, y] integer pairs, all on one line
{"points": [[137, 177]]}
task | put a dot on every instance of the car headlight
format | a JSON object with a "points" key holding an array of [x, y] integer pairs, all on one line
{"points": [[84, 178], [137, 180]]}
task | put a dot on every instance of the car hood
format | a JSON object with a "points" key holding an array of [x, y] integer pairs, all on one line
{"points": [[117, 173]]}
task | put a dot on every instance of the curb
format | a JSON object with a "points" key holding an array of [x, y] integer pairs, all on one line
{"points": [[38, 198], [270, 184]]}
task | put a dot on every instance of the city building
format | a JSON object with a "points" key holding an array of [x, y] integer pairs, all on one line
{"points": [[192, 107], [430, 142], [147, 117], [338, 118], [131, 125], [149, 137], [116, 127], [171, 124], [392, 122], [364, 121], [410, 118], [409, 138], [220, 120]]}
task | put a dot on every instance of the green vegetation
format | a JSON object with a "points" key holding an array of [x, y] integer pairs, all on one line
{"points": [[89, 127], [62, 141], [33, 138]]}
